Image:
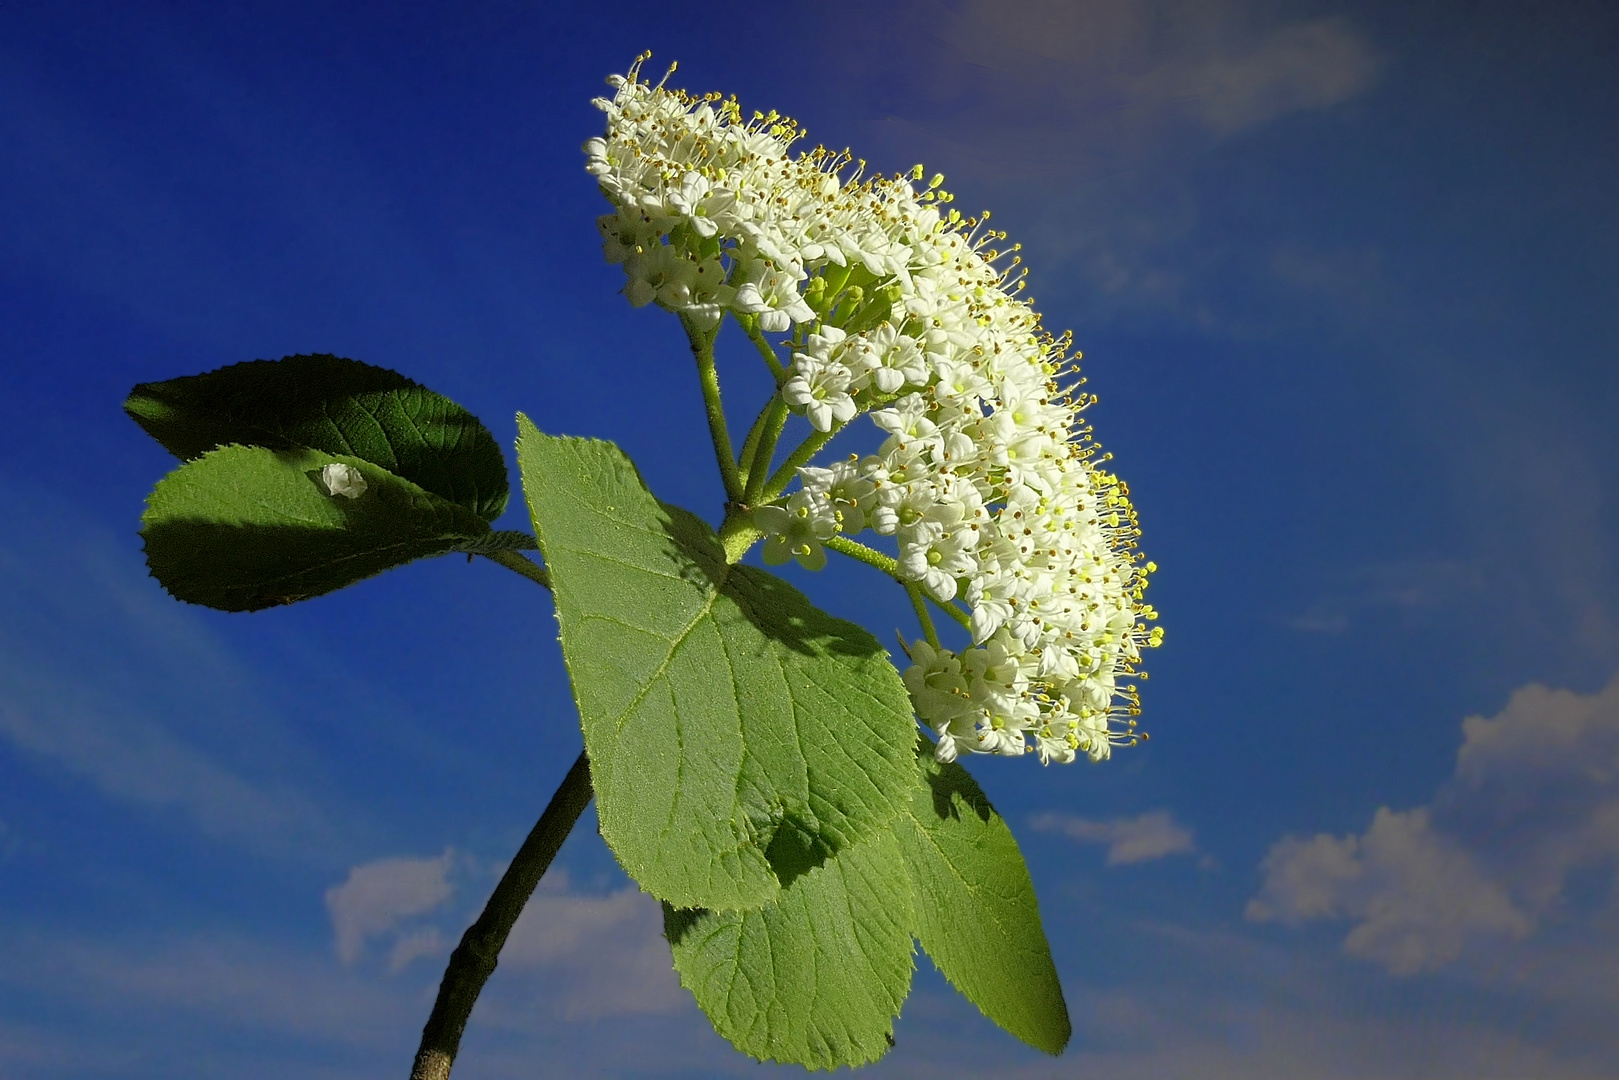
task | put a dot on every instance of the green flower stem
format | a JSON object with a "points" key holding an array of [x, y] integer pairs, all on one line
{"points": [[750, 445], [955, 613], [789, 468], [474, 959], [872, 557], [759, 462], [511, 560], [914, 591], [737, 534], [702, 347], [766, 350]]}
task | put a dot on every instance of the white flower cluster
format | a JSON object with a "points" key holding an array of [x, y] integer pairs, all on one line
{"points": [[988, 480]]}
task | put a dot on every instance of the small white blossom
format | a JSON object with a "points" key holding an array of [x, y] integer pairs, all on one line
{"points": [[846, 488], [344, 480], [797, 530]]}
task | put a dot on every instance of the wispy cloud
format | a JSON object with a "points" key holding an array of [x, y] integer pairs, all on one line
{"points": [[1144, 838], [578, 954], [1102, 105], [608, 950], [100, 673], [1214, 62], [1406, 590], [1534, 799], [379, 896]]}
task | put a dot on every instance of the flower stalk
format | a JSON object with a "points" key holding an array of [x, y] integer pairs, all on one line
{"points": [[702, 348]]}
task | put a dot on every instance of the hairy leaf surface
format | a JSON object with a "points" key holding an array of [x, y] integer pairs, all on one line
{"points": [[737, 735], [816, 977], [243, 528], [976, 913]]}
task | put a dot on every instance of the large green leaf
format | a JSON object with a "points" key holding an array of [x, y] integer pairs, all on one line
{"points": [[339, 406], [816, 977], [976, 913], [243, 528], [737, 735]]}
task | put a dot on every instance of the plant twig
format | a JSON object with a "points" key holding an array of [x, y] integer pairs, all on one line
{"points": [[766, 350], [474, 959], [870, 556]]}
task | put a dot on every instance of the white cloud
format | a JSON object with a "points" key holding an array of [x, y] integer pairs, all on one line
{"points": [[1416, 896], [378, 896], [1534, 798], [1294, 68], [1153, 835], [1212, 61], [608, 950], [423, 941], [578, 955]]}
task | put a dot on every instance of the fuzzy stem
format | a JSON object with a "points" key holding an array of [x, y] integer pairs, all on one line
{"points": [[890, 566], [955, 613], [789, 468], [914, 591], [474, 959], [702, 347], [745, 456], [759, 463], [737, 534], [870, 556], [766, 350]]}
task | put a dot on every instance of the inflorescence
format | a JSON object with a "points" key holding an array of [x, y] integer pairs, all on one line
{"points": [[901, 308]]}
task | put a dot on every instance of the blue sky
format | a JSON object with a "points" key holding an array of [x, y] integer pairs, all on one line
{"points": [[1344, 276]]}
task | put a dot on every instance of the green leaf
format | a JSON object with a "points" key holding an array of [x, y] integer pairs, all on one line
{"points": [[976, 914], [328, 403], [243, 528], [815, 978], [737, 736]]}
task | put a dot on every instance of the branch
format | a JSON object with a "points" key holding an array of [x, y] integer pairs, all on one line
{"points": [[474, 959]]}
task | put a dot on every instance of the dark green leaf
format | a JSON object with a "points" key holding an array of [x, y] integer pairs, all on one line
{"points": [[816, 977], [737, 735], [976, 913], [339, 406], [243, 528]]}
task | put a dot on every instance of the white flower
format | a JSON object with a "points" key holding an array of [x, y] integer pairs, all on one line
{"points": [[987, 474], [771, 293], [887, 359], [846, 488], [820, 390], [796, 531], [344, 480], [936, 557]]}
